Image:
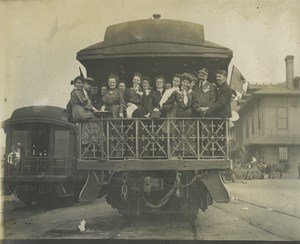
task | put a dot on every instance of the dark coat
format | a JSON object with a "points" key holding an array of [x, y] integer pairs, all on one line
{"points": [[114, 102], [153, 99], [202, 97], [221, 108], [131, 96], [96, 100], [81, 106], [183, 110]]}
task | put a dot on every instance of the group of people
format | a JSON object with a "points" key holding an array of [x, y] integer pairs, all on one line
{"points": [[184, 97]]}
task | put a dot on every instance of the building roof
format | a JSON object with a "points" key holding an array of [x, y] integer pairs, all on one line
{"points": [[277, 90], [277, 140]]}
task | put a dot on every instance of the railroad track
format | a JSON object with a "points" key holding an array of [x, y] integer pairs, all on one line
{"points": [[190, 225], [116, 233], [274, 210], [257, 225]]}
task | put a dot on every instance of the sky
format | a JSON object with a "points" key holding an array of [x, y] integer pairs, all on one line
{"points": [[40, 38]]}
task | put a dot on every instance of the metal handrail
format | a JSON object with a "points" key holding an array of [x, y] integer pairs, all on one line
{"points": [[143, 138]]}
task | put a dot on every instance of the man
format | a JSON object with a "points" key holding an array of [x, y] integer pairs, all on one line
{"points": [[220, 108], [96, 99], [204, 94], [87, 86]]}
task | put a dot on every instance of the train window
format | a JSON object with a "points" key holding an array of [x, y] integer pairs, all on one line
{"points": [[61, 142], [20, 137]]}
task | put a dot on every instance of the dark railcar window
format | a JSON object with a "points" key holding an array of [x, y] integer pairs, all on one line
{"points": [[62, 142], [21, 136]]}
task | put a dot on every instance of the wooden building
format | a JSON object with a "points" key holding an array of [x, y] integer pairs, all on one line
{"points": [[269, 124]]}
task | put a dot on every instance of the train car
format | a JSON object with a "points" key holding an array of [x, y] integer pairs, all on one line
{"points": [[41, 151], [147, 165]]}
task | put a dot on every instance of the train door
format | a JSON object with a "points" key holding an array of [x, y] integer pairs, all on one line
{"points": [[40, 140]]}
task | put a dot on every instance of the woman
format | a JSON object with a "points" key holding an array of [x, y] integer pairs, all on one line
{"points": [[82, 109], [135, 98], [147, 88], [122, 87], [156, 95], [182, 97], [183, 128], [113, 99]]}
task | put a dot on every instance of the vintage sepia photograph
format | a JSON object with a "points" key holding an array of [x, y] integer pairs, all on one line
{"points": [[150, 120]]}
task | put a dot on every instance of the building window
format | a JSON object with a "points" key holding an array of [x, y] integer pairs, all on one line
{"points": [[247, 128], [283, 153], [282, 118], [252, 124]]}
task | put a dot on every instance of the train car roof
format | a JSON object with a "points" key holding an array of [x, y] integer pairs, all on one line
{"points": [[155, 38], [40, 114]]}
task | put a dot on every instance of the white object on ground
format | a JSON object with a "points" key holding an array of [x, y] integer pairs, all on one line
{"points": [[81, 226]]}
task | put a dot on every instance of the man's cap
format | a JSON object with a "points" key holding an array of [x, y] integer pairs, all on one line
{"points": [[203, 71], [221, 72], [89, 80]]}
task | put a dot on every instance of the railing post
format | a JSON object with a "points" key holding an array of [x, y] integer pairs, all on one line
{"points": [[136, 138], [168, 139], [198, 139], [107, 139]]}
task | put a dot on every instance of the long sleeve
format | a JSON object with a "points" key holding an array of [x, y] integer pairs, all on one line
{"points": [[223, 100], [78, 97], [167, 105], [213, 94]]}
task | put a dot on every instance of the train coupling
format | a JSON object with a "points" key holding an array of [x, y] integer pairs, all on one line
{"points": [[152, 184]]}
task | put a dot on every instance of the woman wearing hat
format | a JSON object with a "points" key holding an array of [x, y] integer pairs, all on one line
{"points": [[113, 99], [183, 99], [82, 109]]}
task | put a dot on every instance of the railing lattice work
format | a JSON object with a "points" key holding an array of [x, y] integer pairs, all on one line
{"points": [[187, 138]]}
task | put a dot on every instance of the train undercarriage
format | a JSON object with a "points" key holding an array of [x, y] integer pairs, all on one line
{"points": [[134, 193]]}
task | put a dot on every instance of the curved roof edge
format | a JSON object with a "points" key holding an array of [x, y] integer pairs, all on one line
{"points": [[42, 114], [154, 37]]}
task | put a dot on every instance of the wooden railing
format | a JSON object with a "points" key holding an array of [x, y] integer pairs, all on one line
{"points": [[33, 166], [187, 138]]}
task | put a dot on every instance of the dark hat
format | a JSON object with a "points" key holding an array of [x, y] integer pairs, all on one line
{"points": [[203, 71], [221, 72], [77, 78]]}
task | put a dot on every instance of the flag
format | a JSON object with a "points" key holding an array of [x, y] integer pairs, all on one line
{"points": [[238, 81]]}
